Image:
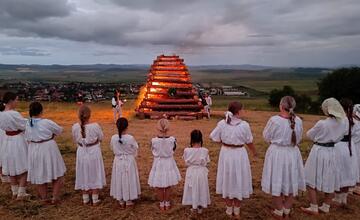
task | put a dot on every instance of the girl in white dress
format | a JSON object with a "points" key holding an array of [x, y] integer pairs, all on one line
{"points": [[4, 179], [283, 172], [90, 173], [117, 105], [233, 180], [15, 148], [45, 162], [322, 170], [347, 156], [196, 187], [356, 141], [164, 172], [125, 183]]}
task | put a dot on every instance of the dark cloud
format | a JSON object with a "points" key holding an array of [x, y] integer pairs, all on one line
{"points": [[13, 51]]}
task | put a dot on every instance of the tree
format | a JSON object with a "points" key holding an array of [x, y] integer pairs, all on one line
{"points": [[341, 83], [276, 95]]}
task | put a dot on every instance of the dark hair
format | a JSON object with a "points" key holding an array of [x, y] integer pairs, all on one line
{"points": [[196, 137], [84, 116], [121, 124], [288, 103], [9, 96], [234, 108], [348, 107], [35, 109], [2, 106]]}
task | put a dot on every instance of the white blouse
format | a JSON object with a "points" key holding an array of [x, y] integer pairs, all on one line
{"points": [[43, 129], [93, 133], [278, 131], [129, 146], [328, 130], [12, 121], [194, 156], [356, 132], [238, 132], [163, 147]]}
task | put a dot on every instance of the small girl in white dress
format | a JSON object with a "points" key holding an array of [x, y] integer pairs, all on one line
{"points": [[14, 148], [46, 164], [234, 180], [90, 173], [347, 156], [164, 172], [196, 187], [125, 183], [322, 169], [283, 172], [356, 141]]}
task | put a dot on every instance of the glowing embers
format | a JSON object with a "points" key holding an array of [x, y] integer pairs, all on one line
{"points": [[169, 91]]}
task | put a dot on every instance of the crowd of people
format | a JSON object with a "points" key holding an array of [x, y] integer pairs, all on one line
{"points": [[29, 153]]}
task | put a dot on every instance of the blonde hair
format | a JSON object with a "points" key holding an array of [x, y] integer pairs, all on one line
{"points": [[84, 116], [163, 125], [288, 103]]}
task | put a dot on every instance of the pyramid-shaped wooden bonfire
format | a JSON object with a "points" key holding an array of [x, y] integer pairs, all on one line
{"points": [[169, 91]]}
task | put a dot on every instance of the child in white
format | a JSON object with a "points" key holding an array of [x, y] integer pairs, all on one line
{"points": [[322, 172], [117, 105], [283, 172], [164, 172], [356, 141], [347, 156], [90, 173], [125, 183], [196, 187], [233, 180], [14, 147], [4, 179], [46, 164]]}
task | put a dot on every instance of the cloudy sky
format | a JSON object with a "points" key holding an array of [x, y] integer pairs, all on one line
{"points": [[263, 32]]}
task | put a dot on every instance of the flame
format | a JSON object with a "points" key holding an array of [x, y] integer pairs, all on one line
{"points": [[140, 97]]}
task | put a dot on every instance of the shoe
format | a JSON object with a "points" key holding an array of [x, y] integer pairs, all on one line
{"points": [[308, 211], [96, 203], [129, 204], [23, 197]]}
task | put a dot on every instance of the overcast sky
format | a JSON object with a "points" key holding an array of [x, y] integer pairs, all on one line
{"points": [[263, 32]]}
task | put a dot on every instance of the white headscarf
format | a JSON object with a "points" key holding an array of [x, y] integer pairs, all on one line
{"points": [[331, 106], [356, 110]]}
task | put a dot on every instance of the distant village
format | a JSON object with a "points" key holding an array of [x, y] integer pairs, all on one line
{"points": [[95, 92]]}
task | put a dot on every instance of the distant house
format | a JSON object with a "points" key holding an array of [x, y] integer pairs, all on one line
{"points": [[233, 91]]}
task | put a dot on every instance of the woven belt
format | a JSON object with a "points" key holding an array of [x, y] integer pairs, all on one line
{"points": [[329, 144], [346, 138], [42, 141], [88, 145], [13, 133], [232, 145]]}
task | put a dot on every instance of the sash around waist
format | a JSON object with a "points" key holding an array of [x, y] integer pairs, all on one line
{"points": [[13, 133]]}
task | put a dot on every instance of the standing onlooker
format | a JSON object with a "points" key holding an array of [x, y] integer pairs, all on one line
{"points": [[208, 105], [117, 105]]}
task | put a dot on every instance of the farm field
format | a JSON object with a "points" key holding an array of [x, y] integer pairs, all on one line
{"points": [[71, 207]]}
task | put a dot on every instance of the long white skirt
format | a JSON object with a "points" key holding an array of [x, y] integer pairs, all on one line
{"points": [[322, 171], [125, 183], [196, 188], [45, 163], [164, 173], [15, 155], [283, 171], [233, 178], [90, 173], [356, 150], [348, 164]]}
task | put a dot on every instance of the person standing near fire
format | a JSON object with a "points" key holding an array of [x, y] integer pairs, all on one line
{"points": [[117, 105], [208, 104]]}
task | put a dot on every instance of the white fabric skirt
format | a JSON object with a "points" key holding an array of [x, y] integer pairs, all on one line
{"points": [[15, 155], [164, 173], [90, 173], [233, 178], [196, 188], [283, 171], [125, 183], [356, 150], [322, 171], [349, 173], [45, 163]]}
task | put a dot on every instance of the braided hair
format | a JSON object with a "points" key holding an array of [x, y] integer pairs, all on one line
{"points": [[121, 124], [233, 109], [2, 106], [288, 103], [84, 116], [196, 137], [35, 109], [348, 107]]}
